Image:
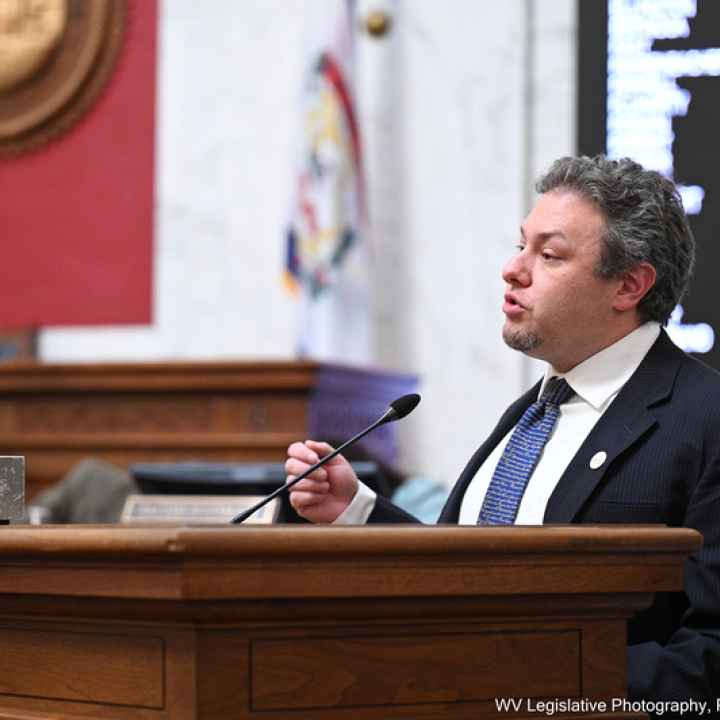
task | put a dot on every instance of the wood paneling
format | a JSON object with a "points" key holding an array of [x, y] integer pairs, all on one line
{"points": [[234, 623], [127, 670], [57, 415], [294, 674]]}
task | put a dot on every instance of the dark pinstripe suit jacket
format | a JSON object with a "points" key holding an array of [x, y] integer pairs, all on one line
{"points": [[662, 438]]}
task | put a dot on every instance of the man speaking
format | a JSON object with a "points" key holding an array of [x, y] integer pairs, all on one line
{"points": [[623, 428]]}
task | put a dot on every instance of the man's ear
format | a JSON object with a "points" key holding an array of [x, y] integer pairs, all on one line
{"points": [[635, 284]]}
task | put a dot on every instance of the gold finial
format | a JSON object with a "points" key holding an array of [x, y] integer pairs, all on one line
{"points": [[378, 23]]}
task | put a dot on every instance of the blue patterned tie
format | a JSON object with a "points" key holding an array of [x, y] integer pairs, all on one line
{"points": [[521, 455]]}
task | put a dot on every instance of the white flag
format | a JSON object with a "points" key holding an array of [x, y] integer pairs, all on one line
{"points": [[327, 257]]}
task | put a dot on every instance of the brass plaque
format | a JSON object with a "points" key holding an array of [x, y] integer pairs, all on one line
{"points": [[12, 487], [195, 509], [56, 56]]}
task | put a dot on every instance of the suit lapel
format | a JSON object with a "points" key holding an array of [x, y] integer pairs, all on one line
{"points": [[624, 423], [451, 511]]}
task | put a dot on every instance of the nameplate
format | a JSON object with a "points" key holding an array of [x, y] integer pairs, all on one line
{"points": [[195, 509], [12, 487]]}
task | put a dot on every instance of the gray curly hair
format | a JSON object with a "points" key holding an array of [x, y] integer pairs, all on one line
{"points": [[645, 222]]}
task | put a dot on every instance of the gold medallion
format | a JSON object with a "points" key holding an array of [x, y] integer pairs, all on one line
{"points": [[56, 56]]}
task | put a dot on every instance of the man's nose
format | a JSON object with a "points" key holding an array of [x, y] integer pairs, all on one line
{"points": [[516, 270]]}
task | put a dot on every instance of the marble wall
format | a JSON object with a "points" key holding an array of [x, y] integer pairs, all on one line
{"points": [[478, 99], [461, 106]]}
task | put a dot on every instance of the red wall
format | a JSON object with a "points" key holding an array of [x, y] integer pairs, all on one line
{"points": [[76, 216]]}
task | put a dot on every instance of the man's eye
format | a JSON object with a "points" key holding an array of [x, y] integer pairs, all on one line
{"points": [[549, 256], [519, 247]]}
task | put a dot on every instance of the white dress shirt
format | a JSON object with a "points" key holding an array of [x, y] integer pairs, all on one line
{"points": [[596, 382]]}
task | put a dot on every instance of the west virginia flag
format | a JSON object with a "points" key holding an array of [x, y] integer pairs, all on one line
{"points": [[327, 261]]}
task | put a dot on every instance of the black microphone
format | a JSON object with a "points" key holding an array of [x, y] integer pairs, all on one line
{"points": [[396, 410]]}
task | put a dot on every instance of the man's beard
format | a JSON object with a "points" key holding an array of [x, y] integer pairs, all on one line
{"points": [[524, 341]]}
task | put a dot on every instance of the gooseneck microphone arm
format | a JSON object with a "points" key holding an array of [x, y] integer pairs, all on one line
{"points": [[397, 409]]}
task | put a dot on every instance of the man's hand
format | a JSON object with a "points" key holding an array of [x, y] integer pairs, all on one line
{"points": [[324, 495]]}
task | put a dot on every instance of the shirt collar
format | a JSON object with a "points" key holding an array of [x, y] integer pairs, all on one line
{"points": [[599, 378]]}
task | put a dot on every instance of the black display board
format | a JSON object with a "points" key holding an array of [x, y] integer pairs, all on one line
{"points": [[649, 88]]}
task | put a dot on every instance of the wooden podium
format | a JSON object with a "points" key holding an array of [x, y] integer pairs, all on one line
{"points": [[320, 622]]}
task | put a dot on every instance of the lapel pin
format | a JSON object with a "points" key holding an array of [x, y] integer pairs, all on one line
{"points": [[598, 459]]}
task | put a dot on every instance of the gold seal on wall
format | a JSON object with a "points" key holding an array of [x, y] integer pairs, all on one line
{"points": [[55, 58]]}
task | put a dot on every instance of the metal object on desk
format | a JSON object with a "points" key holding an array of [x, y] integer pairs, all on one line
{"points": [[195, 509], [12, 488]]}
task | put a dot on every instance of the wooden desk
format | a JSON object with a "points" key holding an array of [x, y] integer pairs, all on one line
{"points": [[281, 623], [59, 414]]}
